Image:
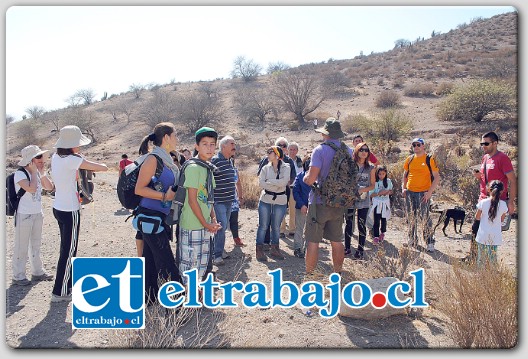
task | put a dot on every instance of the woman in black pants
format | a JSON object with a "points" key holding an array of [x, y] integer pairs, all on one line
{"points": [[65, 164], [158, 167], [366, 180]]}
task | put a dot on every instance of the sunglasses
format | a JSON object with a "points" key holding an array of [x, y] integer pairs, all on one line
{"points": [[38, 157], [417, 144], [283, 145], [485, 143], [364, 150], [269, 152]]}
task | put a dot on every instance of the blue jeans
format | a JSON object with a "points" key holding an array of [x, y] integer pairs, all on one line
{"points": [[270, 213], [418, 213], [223, 212]]}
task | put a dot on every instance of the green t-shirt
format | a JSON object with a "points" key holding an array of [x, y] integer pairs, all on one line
{"points": [[195, 177]]}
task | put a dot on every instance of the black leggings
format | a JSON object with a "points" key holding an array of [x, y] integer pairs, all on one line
{"points": [[233, 224], [69, 225], [376, 227], [362, 228]]}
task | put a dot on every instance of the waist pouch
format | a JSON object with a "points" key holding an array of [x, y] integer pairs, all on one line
{"points": [[148, 221]]}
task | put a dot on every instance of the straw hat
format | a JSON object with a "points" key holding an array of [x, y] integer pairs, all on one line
{"points": [[28, 153], [70, 137]]}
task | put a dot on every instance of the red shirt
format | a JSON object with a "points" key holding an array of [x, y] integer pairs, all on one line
{"points": [[123, 163], [497, 167]]}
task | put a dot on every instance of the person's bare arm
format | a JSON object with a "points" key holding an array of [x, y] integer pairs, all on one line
{"points": [[512, 179], [311, 176]]}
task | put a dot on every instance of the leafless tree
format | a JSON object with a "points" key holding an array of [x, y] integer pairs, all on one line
{"points": [[127, 108], [73, 101], [86, 96], [248, 70], [137, 89], [254, 103], [86, 121], [161, 107], [53, 118], [298, 92], [9, 119], [35, 112], [200, 108], [277, 67], [400, 43]]}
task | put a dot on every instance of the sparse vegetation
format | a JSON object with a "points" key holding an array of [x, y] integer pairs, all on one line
{"points": [[246, 69], [388, 99]]}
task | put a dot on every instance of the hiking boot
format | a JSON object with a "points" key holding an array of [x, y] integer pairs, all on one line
{"points": [[348, 251], [238, 242], [42, 278], [261, 257], [225, 255], [60, 298], [218, 261], [275, 252], [376, 241], [299, 253], [21, 282], [266, 247], [358, 255], [430, 248]]}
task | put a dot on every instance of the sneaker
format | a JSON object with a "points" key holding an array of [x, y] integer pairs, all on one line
{"points": [[22, 282], [381, 237], [376, 241], [348, 251], [430, 248], [299, 253], [225, 255], [60, 298], [218, 261], [238, 242], [42, 278]]}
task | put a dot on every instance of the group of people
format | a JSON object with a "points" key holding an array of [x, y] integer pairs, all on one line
{"points": [[214, 194]]}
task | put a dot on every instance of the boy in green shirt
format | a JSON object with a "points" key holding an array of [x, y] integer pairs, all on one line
{"points": [[198, 221]]}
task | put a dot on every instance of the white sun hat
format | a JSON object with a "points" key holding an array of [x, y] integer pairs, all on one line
{"points": [[30, 152], [70, 137]]}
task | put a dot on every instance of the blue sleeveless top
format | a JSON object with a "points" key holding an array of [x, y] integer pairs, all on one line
{"points": [[167, 179]]}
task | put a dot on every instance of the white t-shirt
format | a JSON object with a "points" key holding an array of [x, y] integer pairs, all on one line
{"points": [[64, 175], [30, 203], [489, 232]]}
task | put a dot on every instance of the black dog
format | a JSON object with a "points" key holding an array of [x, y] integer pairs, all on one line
{"points": [[456, 213]]}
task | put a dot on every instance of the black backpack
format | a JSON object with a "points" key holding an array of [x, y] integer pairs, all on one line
{"points": [[126, 185], [12, 196], [181, 191]]}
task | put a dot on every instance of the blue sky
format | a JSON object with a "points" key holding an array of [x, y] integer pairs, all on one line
{"points": [[53, 51]]}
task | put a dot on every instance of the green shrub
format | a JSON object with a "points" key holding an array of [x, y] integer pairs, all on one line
{"points": [[388, 125], [474, 101]]}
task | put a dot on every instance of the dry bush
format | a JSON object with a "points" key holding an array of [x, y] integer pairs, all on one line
{"points": [[388, 99], [420, 90], [168, 328], [444, 88], [250, 189], [481, 304], [398, 267]]}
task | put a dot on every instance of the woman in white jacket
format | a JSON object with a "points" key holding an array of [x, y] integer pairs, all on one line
{"points": [[273, 179]]}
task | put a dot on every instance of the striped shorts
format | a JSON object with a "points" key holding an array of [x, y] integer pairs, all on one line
{"points": [[194, 251]]}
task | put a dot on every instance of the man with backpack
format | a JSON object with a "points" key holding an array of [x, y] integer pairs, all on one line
{"points": [[330, 195], [420, 179], [29, 180]]}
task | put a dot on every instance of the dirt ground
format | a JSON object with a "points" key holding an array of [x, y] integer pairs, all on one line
{"points": [[32, 321]]}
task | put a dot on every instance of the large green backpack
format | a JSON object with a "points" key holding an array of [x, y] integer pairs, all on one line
{"points": [[340, 187]]}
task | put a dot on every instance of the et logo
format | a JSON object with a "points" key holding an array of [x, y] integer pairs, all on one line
{"points": [[108, 293]]}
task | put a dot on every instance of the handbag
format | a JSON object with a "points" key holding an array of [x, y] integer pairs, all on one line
{"points": [[148, 221]]}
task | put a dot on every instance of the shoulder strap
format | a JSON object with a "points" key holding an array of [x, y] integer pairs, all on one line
{"points": [[159, 165], [331, 144], [485, 172], [411, 157], [22, 191], [428, 162]]}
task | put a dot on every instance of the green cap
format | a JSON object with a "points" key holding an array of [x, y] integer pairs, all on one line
{"points": [[205, 132]]}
